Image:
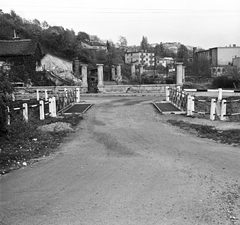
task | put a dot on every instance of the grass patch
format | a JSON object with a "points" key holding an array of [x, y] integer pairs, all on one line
{"points": [[25, 142], [223, 136]]}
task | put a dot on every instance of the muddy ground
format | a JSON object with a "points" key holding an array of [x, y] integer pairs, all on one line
{"points": [[126, 164]]}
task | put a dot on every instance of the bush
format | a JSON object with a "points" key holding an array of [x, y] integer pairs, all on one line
{"points": [[5, 90], [225, 82]]}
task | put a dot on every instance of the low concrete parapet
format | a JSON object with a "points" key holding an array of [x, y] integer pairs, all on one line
{"points": [[152, 88]]}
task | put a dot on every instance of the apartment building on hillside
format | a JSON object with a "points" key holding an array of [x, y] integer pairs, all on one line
{"points": [[143, 58]]}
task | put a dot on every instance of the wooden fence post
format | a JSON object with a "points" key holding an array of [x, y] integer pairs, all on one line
{"points": [[8, 116], [220, 91], [66, 92], [25, 112], [50, 106], [223, 110], [41, 110], [167, 93], [54, 108], [13, 97], [189, 99], [213, 109], [38, 97], [46, 95], [192, 105], [77, 95]]}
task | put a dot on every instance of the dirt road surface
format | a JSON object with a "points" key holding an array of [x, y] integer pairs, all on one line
{"points": [[126, 165]]}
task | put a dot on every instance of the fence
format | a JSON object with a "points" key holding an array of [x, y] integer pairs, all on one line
{"points": [[48, 106], [185, 101]]}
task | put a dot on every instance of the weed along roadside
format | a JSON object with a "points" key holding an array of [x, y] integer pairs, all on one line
{"points": [[26, 142]]}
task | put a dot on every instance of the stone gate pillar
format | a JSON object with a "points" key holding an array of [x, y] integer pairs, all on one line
{"points": [[113, 70], [183, 73], [84, 76], [179, 78], [119, 75], [141, 72], [100, 76], [133, 71], [76, 68]]}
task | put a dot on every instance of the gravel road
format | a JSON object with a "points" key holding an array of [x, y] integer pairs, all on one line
{"points": [[126, 165]]}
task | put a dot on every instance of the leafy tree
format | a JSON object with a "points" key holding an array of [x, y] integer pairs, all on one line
{"points": [[182, 53], [160, 50], [201, 68], [144, 44], [122, 42], [82, 36]]}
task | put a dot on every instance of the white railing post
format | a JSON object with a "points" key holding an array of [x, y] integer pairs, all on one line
{"points": [[41, 110], [38, 97], [213, 109], [66, 92], [223, 110], [54, 108], [192, 105], [50, 106], [189, 99], [77, 95], [13, 97], [167, 93], [220, 94], [46, 95], [25, 112], [8, 116]]}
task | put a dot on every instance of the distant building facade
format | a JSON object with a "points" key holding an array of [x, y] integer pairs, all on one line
{"points": [[236, 63], [220, 58]]}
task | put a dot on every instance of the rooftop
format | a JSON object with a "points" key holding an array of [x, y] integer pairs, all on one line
{"points": [[17, 47]]}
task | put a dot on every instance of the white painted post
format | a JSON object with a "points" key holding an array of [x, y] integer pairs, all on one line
{"points": [[38, 97], [223, 110], [77, 95], [219, 94], [25, 112], [192, 105], [213, 109], [8, 116], [167, 94], [66, 92], [13, 97], [50, 106], [189, 99], [46, 95], [54, 108], [41, 110]]}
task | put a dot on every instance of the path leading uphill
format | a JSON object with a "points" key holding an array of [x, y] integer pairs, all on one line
{"points": [[125, 165]]}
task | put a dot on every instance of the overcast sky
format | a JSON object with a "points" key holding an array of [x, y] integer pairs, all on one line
{"points": [[205, 23]]}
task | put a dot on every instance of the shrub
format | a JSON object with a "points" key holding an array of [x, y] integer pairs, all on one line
{"points": [[225, 82], [5, 90]]}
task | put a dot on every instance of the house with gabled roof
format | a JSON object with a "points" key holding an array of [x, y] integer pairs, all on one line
{"points": [[24, 53]]}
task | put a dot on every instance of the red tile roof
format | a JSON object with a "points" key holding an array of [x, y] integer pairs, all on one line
{"points": [[17, 47]]}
